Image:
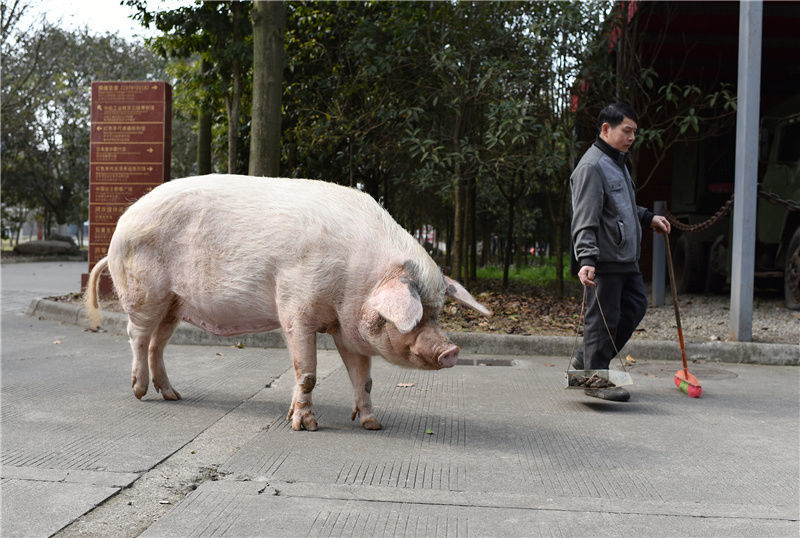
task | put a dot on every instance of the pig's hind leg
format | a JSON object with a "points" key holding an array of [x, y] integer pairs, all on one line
{"points": [[155, 355], [140, 373], [358, 368], [143, 326]]}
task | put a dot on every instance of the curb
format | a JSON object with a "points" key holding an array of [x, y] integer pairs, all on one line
{"points": [[472, 343], [20, 258]]}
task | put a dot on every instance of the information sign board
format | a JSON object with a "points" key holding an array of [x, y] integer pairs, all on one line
{"points": [[129, 154]]}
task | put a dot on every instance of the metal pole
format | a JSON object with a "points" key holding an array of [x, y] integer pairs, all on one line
{"points": [[658, 260], [745, 189]]}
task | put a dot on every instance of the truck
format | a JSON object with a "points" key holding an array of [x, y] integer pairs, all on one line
{"points": [[703, 183]]}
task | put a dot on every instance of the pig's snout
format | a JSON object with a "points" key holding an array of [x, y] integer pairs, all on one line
{"points": [[449, 357]]}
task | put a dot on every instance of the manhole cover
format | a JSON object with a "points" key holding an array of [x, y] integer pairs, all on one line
{"points": [[698, 370], [485, 362]]}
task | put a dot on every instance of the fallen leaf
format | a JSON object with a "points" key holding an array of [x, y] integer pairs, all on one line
{"points": [[238, 345], [429, 431], [57, 342], [630, 359], [550, 364]]}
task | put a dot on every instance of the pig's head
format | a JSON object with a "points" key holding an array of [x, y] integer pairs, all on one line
{"points": [[400, 319]]}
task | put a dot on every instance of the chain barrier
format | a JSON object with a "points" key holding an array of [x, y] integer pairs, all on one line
{"points": [[777, 200], [721, 212], [725, 209]]}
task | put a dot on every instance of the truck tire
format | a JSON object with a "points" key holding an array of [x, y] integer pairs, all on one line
{"points": [[791, 273], [689, 261]]}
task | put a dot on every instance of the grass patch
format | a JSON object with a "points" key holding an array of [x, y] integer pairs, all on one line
{"points": [[537, 275]]}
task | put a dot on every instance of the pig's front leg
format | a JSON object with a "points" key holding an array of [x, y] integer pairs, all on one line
{"points": [[358, 367], [304, 356]]}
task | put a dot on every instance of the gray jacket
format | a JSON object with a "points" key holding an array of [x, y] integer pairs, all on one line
{"points": [[606, 222]]}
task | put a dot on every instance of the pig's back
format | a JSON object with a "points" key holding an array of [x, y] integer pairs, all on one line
{"points": [[219, 210]]}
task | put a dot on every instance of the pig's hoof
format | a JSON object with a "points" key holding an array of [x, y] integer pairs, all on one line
{"points": [[168, 393], [370, 423], [171, 394], [138, 390], [305, 421]]}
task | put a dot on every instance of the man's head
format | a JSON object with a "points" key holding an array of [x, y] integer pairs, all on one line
{"points": [[618, 124]]}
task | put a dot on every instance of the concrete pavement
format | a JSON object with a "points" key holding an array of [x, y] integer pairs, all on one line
{"points": [[494, 446]]}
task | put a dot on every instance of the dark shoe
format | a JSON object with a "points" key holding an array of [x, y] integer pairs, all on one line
{"points": [[576, 364], [614, 394]]}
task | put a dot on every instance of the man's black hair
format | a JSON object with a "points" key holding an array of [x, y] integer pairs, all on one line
{"points": [[614, 114]]}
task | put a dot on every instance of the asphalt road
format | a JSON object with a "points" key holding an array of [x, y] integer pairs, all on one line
{"points": [[500, 450]]}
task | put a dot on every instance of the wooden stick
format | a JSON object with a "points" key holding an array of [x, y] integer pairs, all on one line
{"points": [[675, 304]]}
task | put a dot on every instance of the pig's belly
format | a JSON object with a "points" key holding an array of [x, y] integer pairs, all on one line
{"points": [[224, 320]]}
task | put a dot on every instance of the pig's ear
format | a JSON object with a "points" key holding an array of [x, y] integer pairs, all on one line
{"points": [[461, 295], [398, 301]]}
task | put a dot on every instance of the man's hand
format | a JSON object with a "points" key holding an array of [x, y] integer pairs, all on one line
{"points": [[660, 224], [586, 275]]}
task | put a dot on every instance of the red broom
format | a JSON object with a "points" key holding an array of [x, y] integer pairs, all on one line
{"points": [[685, 381]]}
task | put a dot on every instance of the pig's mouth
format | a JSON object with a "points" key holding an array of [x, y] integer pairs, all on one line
{"points": [[449, 357]]}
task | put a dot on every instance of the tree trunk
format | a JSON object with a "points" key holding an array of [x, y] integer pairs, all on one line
{"points": [[234, 97], [473, 241], [458, 198], [203, 143], [559, 258], [204, 131], [458, 228], [558, 215], [387, 200], [350, 161], [269, 27], [519, 253], [291, 163], [448, 245], [486, 244], [509, 241], [48, 224], [467, 232], [232, 105]]}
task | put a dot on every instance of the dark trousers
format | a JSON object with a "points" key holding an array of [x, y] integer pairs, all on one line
{"points": [[624, 302]]}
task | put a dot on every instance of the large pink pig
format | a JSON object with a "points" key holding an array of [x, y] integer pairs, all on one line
{"points": [[237, 254]]}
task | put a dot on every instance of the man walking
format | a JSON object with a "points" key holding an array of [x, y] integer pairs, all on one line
{"points": [[606, 235]]}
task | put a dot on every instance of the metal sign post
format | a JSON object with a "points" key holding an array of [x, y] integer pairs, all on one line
{"points": [[745, 189]]}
